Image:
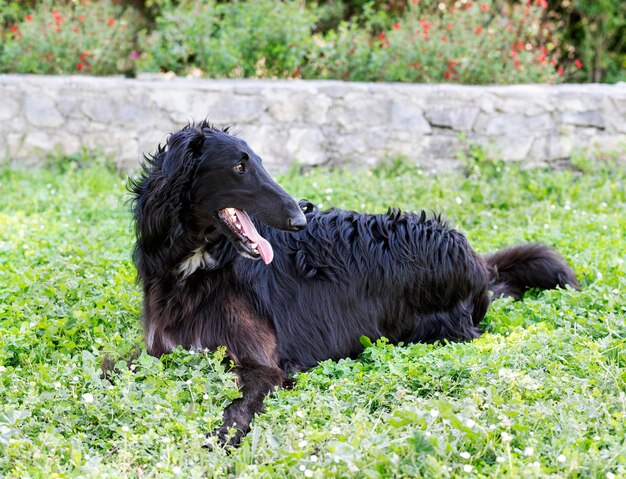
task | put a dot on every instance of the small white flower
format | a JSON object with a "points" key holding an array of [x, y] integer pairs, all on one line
{"points": [[302, 467], [308, 473], [2, 369], [500, 459], [88, 398], [468, 468], [57, 385], [465, 455], [166, 440], [596, 438], [506, 437], [610, 475], [302, 444], [313, 458], [470, 423], [176, 470], [458, 200], [529, 451], [433, 413], [125, 428], [536, 464], [561, 458], [299, 414], [335, 430], [188, 382], [205, 396], [75, 379]]}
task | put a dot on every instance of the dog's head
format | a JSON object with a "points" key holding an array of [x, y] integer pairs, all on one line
{"points": [[225, 184]]}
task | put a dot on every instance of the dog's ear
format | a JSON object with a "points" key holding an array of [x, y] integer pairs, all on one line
{"points": [[182, 148], [196, 141]]}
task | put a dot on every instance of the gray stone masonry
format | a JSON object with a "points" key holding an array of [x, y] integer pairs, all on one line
{"points": [[310, 122]]}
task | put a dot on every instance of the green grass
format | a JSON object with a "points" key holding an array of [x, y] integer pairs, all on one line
{"points": [[541, 394]]}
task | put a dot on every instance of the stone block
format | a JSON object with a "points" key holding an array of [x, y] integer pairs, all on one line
{"points": [[305, 146], [40, 111], [583, 118], [408, 116], [457, 118], [9, 106]]}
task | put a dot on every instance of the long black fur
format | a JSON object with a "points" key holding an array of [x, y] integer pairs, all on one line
{"points": [[407, 277]]}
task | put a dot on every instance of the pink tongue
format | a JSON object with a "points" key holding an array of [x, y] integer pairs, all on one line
{"points": [[265, 249]]}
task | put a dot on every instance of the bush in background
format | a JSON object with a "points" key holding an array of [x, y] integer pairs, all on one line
{"points": [[594, 31], [69, 38], [461, 41], [263, 38], [466, 42]]}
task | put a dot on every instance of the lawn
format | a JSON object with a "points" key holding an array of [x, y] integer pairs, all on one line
{"points": [[541, 394]]}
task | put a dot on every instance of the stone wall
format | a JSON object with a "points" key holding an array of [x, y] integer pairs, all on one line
{"points": [[309, 122]]}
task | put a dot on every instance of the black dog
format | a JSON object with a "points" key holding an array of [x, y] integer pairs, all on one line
{"points": [[326, 278]]}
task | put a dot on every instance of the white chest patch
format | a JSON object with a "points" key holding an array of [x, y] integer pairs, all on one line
{"points": [[198, 259]]}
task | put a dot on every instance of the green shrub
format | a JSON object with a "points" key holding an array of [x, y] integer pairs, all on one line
{"points": [[484, 42], [53, 38], [231, 39], [597, 32]]}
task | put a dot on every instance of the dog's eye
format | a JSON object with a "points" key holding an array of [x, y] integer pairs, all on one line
{"points": [[240, 168]]}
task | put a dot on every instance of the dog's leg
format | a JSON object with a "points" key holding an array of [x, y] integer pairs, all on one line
{"points": [[256, 382]]}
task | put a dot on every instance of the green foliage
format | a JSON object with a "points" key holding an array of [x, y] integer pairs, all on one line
{"points": [[70, 38], [541, 394], [597, 31], [230, 39], [463, 43]]}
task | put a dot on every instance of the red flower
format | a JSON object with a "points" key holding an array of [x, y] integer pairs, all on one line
{"points": [[14, 28], [578, 64], [444, 38], [75, 30], [517, 63], [382, 37], [447, 74], [81, 18], [417, 64], [84, 55], [560, 71], [541, 59], [111, 22], [449, 26], [468, 5], [484, 7], [79, 66], [553, 62], [29, 18], [478, 30], [396, 26]]}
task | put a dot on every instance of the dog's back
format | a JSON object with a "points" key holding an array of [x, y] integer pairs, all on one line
{"points": [[406, 277]]}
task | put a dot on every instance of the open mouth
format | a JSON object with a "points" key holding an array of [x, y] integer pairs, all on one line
{"points": [[247, 239]]}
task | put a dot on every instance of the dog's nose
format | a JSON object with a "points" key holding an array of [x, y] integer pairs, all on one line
{"points": [[297, 222]]}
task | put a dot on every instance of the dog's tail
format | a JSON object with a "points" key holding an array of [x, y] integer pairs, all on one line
{"points": [[532, 265]]}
